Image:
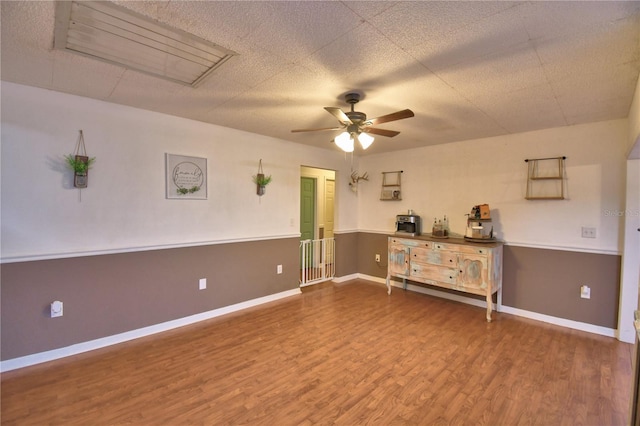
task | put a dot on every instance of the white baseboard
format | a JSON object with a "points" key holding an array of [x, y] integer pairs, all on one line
{"points": [[374, 279], [576, 325], [356, 276], [28, 360], [345, 278]]}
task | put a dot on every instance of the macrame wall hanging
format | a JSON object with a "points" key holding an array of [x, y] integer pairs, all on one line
{"points": [[261, 180], [80, 163]]}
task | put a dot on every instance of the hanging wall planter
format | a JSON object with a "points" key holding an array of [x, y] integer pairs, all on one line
{"points": [[80, 163], [261, 180]]}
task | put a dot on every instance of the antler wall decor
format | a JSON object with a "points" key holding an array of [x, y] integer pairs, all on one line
{"points": [[355, 179]]}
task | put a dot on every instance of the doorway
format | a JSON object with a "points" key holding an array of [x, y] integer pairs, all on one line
{"points": [[317, 219]]}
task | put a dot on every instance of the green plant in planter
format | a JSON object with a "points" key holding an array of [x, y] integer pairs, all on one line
{"points": [[262, 181], [79, 164]]}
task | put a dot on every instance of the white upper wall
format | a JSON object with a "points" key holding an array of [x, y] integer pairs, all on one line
{"points": [[124, 206], [450, 179], [634, 125]]}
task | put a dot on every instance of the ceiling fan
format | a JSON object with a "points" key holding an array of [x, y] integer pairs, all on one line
{"points": [[356, 125]]}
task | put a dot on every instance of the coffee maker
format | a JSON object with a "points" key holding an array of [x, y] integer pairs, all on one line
{"points": [[408, 224]]}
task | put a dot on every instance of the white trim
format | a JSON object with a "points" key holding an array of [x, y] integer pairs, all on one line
{"points": [[562, 322], [522, 244], [345, 278], [28, 360], [374, 231], [564, 248], [345, 231], [315, 282], [65, 255], [379, 280]]}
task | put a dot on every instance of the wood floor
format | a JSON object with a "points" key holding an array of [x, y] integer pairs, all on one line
{"points": [[343, 354]]}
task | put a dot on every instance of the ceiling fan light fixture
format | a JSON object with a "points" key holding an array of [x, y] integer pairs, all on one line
{"points": [[356, 126], [365, 140], [344, 142]]}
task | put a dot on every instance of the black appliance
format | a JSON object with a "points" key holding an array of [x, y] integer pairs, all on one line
{"points": [[408, 224]]}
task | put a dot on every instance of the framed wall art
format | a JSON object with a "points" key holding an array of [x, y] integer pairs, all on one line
{"points": [[186, 177]]}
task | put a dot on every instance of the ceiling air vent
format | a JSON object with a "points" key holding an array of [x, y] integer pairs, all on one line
{"points": [[104, 31]]}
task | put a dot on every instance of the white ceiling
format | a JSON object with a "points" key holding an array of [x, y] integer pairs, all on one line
{"points": [[467, 69]]}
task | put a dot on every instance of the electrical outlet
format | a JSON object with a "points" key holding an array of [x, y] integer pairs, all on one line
{"points": [[585, 292], [377, 258], [279, 269], [588, 232], [202, 284], [56, 309]]}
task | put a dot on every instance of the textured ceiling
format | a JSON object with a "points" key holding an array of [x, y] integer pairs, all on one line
{"points": [[467, 69]]}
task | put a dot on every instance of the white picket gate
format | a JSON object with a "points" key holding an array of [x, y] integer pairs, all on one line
{"points": [[317, 261]]}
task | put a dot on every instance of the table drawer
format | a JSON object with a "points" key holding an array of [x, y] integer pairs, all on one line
{"points": [[473, 249], [434, 257], [434, 272], [444, 246], [411, 243]]}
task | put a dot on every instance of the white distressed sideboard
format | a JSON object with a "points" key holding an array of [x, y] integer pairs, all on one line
{"points": [[452, 263]]}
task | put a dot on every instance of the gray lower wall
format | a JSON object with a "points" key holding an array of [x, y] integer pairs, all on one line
{"points": [[110, 294], [548, 282], [368, 246], [537, 280], [347, 253]]}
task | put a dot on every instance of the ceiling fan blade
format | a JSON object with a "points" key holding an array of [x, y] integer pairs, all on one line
{"points": [[339, 114], [399, 115], [381, 132], [316, 130]]}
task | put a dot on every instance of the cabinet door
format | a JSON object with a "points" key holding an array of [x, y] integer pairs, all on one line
{"points": [[398, 260], [473, 272]]}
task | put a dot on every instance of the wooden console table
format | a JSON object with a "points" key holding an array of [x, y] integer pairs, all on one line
{"points": [[452, 263]]}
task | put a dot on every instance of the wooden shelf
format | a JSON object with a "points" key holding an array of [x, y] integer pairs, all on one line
{"points": [[542, 170], [392, 180], [546, 178], [544, 198]]}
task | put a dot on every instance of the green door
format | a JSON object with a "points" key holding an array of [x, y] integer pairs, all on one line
{"points": [[307, 208], [307, 211]]}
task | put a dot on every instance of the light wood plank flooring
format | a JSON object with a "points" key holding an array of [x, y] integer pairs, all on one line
{"points": [[344, 354]]}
